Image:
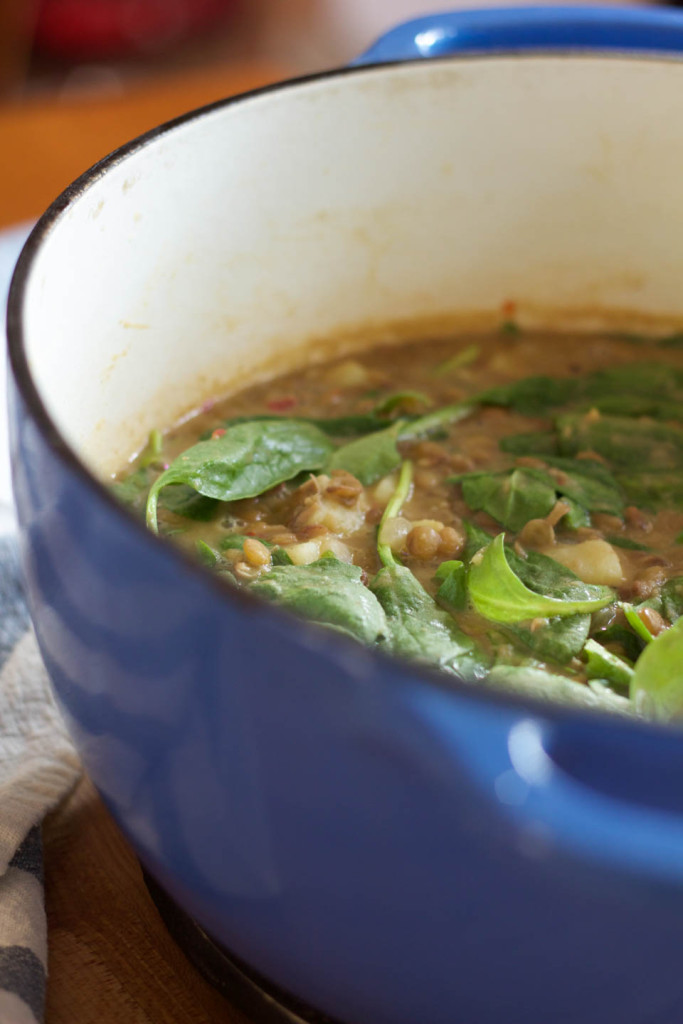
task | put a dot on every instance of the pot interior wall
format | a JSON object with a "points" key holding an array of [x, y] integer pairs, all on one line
{"points": [[414, 191]]}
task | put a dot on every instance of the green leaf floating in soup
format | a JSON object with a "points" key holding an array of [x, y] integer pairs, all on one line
{"points": [[515, 496], [245, 461], [416, 627], [500, 596], [506, 509], [657, 681], [512, 498], [371, 457], [329, 592]]}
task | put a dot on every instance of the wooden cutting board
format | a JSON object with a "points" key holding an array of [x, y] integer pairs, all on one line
{"points": [[110, 958]]}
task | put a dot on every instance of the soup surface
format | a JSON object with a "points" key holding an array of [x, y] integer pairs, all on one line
{"points": [[506, 508]]}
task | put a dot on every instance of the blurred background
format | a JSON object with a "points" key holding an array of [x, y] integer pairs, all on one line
{"points": [[67, 44], [80, 77]]}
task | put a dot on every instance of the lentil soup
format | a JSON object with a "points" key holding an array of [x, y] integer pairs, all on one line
{"points": [[506, 508]]}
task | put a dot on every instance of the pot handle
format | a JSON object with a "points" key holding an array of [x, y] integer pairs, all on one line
{"points": [[605, 790], [525, 29]]}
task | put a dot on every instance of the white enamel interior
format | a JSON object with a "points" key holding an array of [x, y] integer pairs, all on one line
{"points": [[421, 190]]}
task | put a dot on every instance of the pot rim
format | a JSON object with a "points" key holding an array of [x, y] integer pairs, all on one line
{"points": [[412, 673]]}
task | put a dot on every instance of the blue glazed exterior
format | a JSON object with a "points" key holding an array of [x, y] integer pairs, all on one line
{"points": [[367, 838], [319, 810]]}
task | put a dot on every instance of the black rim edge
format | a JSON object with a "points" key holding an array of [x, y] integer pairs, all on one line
{"points": [[242, 984]]}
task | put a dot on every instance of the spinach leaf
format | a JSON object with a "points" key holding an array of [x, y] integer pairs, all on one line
{"points": [[418, 629], [329, 592], [247, 460], [437, 420], [544, 685], [512, 497], [233, 542], [587, 482], [671, 598], [637, 405], [631, 644], [537, 396], [476, 539], [533, 396], [515, 496], [179, 499], [627, 444], [335, 426], [657, 683], [184, 501], [669, 601], [576, 517], [371, 457], [281, 557], [652, 490], [539, 443], [350, 426], [499, 594], [649, 379], [207, 555], [412, 427], [625, 542], [545, 576], [603, 664], [561, 637], [453, 590], [132, 490], [636, 623], [558, 640]]}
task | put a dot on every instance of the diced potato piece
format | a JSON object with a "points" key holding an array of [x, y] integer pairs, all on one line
{"points": [[306, 552], [336, 518], [337, 548], [394, 533], [311, 550], [593, 561], [385, 488]]}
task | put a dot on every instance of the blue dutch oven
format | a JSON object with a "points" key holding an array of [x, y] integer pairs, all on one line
{"points": [[386, 845]]}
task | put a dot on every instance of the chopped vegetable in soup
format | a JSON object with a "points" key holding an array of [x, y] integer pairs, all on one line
{"points": [[508, 509]]}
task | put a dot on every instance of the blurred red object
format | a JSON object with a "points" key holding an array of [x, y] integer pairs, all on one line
{"points": [[91, 29]]}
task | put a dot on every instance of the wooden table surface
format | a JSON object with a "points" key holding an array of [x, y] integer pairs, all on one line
{"points": [[111, 960]]}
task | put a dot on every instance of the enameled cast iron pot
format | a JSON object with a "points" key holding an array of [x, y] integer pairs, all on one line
{"points": [[388, 847]]}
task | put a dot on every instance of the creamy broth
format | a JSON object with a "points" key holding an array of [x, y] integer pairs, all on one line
{"points": [[551, 462]]}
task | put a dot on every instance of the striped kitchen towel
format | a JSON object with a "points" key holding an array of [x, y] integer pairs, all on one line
{"points": [[38, 766]]}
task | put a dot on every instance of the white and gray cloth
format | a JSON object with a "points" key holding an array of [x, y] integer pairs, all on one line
{"points": [[38, 764]]}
